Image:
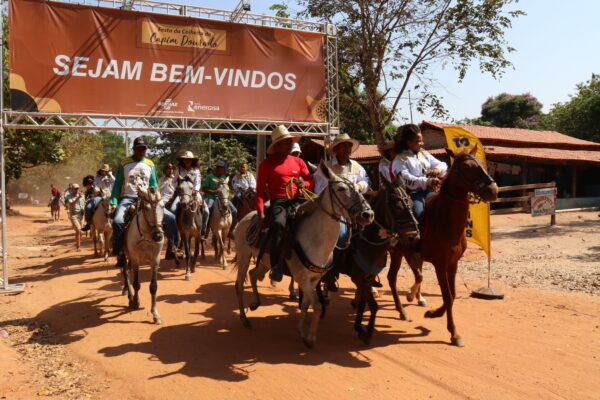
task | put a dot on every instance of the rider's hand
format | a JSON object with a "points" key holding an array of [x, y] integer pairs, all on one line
{"points": [[261, 220], [300, 184], [434, 183], [434, 173]]}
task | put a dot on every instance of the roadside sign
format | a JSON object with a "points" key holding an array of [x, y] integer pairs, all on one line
{"points": [[543, 202]]}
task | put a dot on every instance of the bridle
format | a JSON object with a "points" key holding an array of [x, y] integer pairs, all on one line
{"points": [[473, 186], [155, 227], [192, 204], [221, 202]]}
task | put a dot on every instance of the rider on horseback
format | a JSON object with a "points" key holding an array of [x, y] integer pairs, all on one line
{"points": [[104, 180], [421, 171], [211, 182], [134, 173], [243, 182], [341, 149], [274, 175]]}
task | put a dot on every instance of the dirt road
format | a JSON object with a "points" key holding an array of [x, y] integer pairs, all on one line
{"points": [[71, 335]]}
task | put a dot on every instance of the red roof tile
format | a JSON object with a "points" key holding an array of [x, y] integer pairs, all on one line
{"points": [[490, 135]]}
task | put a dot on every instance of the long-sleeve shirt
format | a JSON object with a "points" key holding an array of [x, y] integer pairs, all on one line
{"points": [[413, 168], [104, 182], [132, 175], [243, 182], [384, 168], [352, 171], [193, 174], [167, 186], [75, 205], [274, 173]]}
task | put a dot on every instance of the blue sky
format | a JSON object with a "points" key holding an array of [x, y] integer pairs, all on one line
{"points": [[557, 46]]}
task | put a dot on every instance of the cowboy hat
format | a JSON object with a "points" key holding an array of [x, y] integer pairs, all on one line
{"points": [[105, 167], [344, 138], [187, 154], [278, 134], [75, 186]]}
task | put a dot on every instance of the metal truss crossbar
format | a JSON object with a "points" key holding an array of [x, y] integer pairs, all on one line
{"points": [[96, 122]]}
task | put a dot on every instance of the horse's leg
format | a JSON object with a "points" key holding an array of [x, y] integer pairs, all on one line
{"points": [[455, 337], [361, 294], [215, 245], [257, 273], [293, 296], [395, 263], [107, 242], [442, 277], [244, 257], [222, 245], [373, 307], [136, 287], [317, 312], [416, 265], [95, 237], [321, 298], [304, 304], [102, 241], [154, 289], [196, 250], [186, 246]]}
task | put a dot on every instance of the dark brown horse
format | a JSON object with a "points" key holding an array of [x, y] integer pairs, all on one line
{"points": [[443, 240], [367, 254]]}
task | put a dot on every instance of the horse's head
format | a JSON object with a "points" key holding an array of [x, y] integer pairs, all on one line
{"points": [[185, 191], [395, 207], [345, 199], [152, 209], [223, 191], [470, 173]]}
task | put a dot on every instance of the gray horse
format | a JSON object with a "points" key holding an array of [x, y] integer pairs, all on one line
{"points": [[220, 221], [316, 234], [143, 243], [189, 223], [102, 226]]}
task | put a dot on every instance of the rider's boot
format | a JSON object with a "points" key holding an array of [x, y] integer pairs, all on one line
{"points": [[86, 227]]}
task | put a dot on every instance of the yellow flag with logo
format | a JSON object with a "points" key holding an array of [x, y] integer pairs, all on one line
{"points": [[478, 220]]}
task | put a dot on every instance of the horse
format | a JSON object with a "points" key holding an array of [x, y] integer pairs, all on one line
{"points": [[443, 240], [366, 256], [247, 204], [102, 226], [310, 252], [220, 221], [55, 208], [143, 242], [189, 223]]}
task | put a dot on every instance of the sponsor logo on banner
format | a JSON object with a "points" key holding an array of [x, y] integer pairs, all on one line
{"points": [[167, 104], [193, 106]]}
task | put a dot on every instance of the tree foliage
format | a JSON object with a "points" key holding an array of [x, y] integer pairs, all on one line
{"points": [[113, 148], [512, 111], [230, 149], [580, 116], [387, 47]]}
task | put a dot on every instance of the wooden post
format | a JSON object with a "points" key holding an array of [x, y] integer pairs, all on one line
{"points": [[574, 181], [524, 172]]}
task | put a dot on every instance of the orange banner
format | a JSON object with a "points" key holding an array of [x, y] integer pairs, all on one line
{"points": [[81, 59]]}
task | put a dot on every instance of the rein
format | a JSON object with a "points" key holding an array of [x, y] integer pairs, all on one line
{"points": [[140, 209]]}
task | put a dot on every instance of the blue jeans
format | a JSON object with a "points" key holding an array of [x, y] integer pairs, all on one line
{"points": [[419, 197], [90, 207], [343, 235], [210, 203], [169, 223]]}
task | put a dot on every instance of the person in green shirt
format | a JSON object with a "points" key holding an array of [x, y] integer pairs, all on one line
{"points": [[209, 187]]}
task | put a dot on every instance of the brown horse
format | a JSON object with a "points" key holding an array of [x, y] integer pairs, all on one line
{"points": [[55, 207], [443, 240], [364, 259]]}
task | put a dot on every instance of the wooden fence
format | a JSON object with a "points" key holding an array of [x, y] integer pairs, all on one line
{"points": [[524, 199]]}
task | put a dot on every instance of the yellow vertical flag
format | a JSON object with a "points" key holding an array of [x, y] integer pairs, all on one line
{"points": [[478, 220]]}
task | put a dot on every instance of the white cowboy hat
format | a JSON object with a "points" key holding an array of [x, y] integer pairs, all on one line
{"points": [[344, 138], [296, 147], [278, 134], [187, 154], [105, 167]]}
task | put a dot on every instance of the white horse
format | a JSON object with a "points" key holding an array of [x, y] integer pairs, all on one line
{"points": [[189, 223], [102, 226], [143, 243], [220, 221], [311, 253]]}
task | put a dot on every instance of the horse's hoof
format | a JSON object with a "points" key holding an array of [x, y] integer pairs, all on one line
{"points": [[188, 277], [404, 317], [353, 304], [409, 298], [308, 343], [366, 339], [157, 321], [225, 267], [293, 297], [246, 322], [423, 303], [429, 314], [458, 342], [254, 306]]}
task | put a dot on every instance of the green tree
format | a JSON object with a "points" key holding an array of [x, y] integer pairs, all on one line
{"points": [[26, 148], [512, 111], [387, 47], [580, 116], [113, 148]]}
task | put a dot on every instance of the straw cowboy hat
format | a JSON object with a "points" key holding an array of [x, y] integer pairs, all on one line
{"points": [[105, 167], [344, 138], [187, 154], [75, 186], [278, 134]]}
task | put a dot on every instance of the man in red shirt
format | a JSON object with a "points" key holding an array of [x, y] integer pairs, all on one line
{"points": [[273, 175]]}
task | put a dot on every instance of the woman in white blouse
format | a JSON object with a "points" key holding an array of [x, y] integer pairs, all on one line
{"points": [[420, 171]]}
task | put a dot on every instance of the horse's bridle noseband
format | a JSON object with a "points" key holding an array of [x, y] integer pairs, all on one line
{"points": [[474, 186]]}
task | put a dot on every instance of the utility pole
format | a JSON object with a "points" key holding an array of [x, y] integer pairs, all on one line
{"points": [[410, 106]]}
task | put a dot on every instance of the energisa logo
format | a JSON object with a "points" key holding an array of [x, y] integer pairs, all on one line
{"points": [[167, 104], [193, 106]]}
